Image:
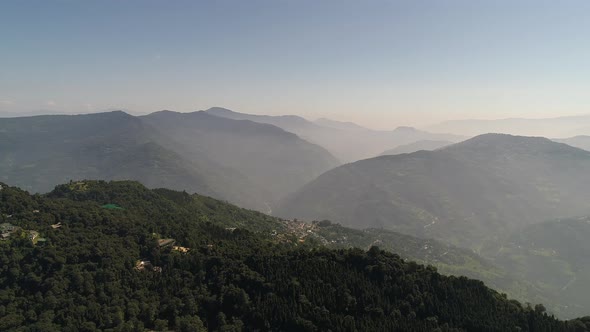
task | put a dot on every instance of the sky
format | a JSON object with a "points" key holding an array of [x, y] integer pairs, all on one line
{"points": [[378, 63]]}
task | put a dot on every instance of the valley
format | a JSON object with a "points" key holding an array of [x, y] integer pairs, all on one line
{"points": [[294, 166], [458, 208]]}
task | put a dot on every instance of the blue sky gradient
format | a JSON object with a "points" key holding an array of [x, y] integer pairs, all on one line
{"points": [[379, 63]]}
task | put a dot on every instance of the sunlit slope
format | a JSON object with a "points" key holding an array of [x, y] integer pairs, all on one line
{"points": [[230, 271], [463, 194]]}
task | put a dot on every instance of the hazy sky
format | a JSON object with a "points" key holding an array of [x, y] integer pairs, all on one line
{"points": [[379, 63]]}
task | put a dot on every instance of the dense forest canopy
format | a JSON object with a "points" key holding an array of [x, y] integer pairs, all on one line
{"points": [[105, 264]]}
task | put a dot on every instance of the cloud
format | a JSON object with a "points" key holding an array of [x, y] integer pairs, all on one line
{"points": [[6, 102], [50, 103]]}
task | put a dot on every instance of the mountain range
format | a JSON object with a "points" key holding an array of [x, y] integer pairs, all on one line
{"points": [[274, 160], [488, 202], [582, 142], [463, 194], [347, 141], [566, 126], [247, 163], [417, 146]]}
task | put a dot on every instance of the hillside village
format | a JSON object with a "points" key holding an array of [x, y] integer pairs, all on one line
{"points": [[8, 230]]}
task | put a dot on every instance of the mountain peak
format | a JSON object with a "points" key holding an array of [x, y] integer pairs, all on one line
{"points": [[494, 143], [120, 112], [405, 129], [220, 111], [286, 122], [162, 112], [496, 139]]}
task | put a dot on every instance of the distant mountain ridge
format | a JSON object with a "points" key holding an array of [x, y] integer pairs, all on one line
{"points": [[566, 126], [289, 123], [276, 160], [581, 142], [197, 152], [339, 124], [417, 146], [346, 141], [462, 194]]}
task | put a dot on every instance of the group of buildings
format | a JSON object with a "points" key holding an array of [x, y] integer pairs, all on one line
{"points": [[8, 230]]}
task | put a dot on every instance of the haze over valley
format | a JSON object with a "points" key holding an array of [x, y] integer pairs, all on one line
{"points": [[294, 166], [480, 198]]}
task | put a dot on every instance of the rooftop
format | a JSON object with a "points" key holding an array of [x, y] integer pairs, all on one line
{"points": [[166, 242]]}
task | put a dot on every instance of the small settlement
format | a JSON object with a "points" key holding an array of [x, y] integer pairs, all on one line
{"points": [[144, 265], [8, 230]]}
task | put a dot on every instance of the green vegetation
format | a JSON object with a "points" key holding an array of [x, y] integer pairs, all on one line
{"points": [[464, 194], [491, 194], [112, 207], [554, 256], [239, 273], [276, 161], [39, 152], [448, 260], [247, 163]]}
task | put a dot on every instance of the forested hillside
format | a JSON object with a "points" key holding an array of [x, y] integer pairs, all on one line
{"points": [[448, 260], [463, 194], [37, 153], [246, 163], [272, 159], [554, 256], [117, 256]]}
